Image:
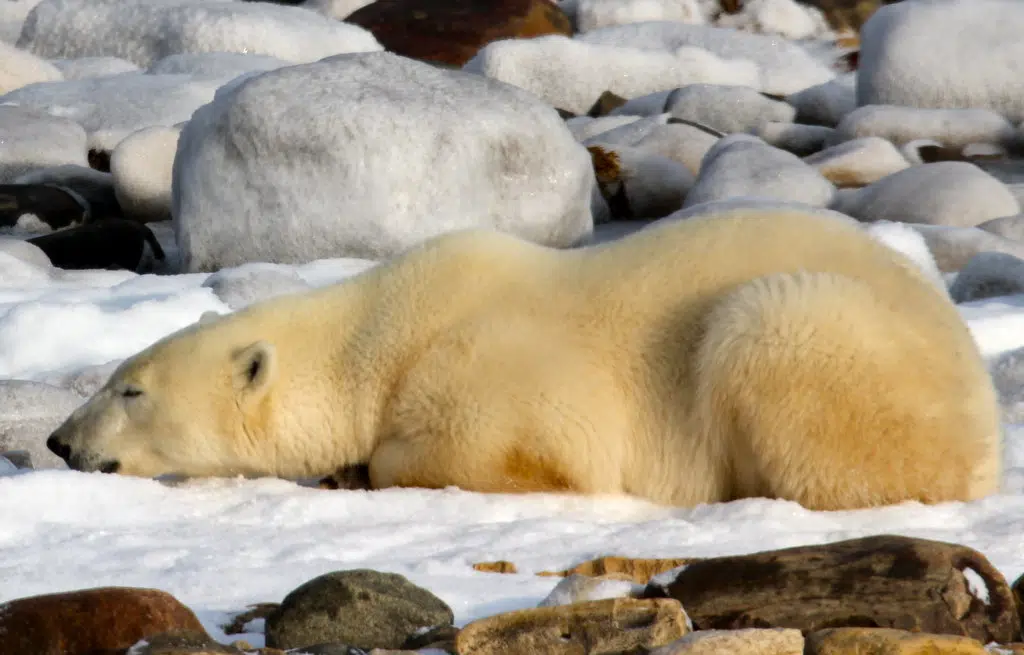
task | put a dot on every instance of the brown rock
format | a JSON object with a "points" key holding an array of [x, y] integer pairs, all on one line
{"points": [[78, 622], [605, 104], [639, 570], [878, 582], [604, 626], [501, 566], [753, 641], [452, 31], [882, 641], [257, 611], [183, 643]]}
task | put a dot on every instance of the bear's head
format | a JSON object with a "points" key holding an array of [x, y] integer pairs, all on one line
{"points": [[188, 405]]}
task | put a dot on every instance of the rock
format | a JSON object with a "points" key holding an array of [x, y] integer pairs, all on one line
{"points": [[451, 32], [953, 128], [578, 588], [99, 619], [181, 643], [784, 67], [882, 641], [681, 142], [1007, 371], [243, 285], [606, 103], [21, 459], [81, 68], [257, 611], [19, 68], [332, 649], [573, 73], [953, 247], [93, 189], [29, 412], [786, 18], [883, 581], [1010, 227], [111, 108], [744, 165], [751, 641], [114, 243], [31, 139], [500, 566], [224, 65], [519, 171], [859, 162], [978, 43], [638, 184], [801, 140], [585, 127], [826, 103], [603, 626], [143, 32], [727, 108], [361, 608], [141, 166], [595, 14], [988, 275], [639, 570], [442, 637], [336, 9], [955, 194], [40, 207]]}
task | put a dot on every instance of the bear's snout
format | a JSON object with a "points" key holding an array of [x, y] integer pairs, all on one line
{"points": [[58, 447]]}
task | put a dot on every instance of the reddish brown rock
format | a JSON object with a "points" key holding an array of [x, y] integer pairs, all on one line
{"points": [[90, 620], [452, 31], [875, 582]]}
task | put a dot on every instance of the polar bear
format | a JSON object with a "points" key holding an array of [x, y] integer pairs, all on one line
{"points": [[754, 352]]}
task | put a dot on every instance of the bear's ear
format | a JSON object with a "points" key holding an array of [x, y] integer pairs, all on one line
{"points": [[254, 368]]}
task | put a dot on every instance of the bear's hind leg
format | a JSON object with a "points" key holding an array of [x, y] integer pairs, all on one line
{"points": [[830, 395]]}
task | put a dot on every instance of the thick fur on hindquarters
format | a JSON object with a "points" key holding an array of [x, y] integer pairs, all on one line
{"points": [[770, 352]]}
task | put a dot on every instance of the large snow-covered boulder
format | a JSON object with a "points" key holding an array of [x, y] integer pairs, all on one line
{"points": [[19, 68], [143, 31], [952, 128], [81, 68], [727, 108], [367, 154], [31, 139], [572, 74], [141, 168], [785, 66], [944, 54], [111, 108], [744, 166]]}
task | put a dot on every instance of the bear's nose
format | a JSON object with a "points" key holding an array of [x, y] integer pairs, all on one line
{"points": [[58, 447]]}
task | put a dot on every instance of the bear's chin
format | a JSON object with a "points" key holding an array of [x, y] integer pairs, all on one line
{"points": [[109, 466]]}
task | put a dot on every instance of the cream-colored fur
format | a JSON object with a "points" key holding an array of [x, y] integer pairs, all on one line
{"points": [[758, 352]]}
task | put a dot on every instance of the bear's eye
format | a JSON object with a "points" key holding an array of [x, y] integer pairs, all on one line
{"points": [[131, 392]]}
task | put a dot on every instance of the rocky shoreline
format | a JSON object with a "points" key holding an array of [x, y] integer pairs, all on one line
{"points": [[880, 595]]}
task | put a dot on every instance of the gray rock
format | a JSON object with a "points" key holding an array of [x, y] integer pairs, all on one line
{"points": [[989, 275], [249, 283], [362, 608], [727, 108], [29, 412], [94, 188], [1010, 227], [21, 459]]}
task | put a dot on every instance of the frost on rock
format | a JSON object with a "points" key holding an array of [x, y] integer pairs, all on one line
{"points": [[143, 31], [594, 14], [953, 128], [797, 138], [86, 67], [365, 155], [577, 588], [785, 67], [647, 185], [29, 412], [12, 17], [141, 168], [584, 127], [976, 585], [678, 141], [244, 285], [944, 54], [31, 139], [111, 108], [336, 9], [571, 74], [741, 165], [224, 65], [727, 108], [19, 68], [989, 275], [955, 194]]}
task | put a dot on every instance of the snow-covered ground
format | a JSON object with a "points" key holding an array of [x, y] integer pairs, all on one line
{"points": [[219, 545]]}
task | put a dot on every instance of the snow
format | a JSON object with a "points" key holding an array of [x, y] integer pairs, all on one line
{"points": [[141, 168], [143, 31], [976, 585], [215, 64], [571, 74], [944, 54], [407, 150], [783, 17], [785, 66], [32, 139], [84, 67], [593, 14]]}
